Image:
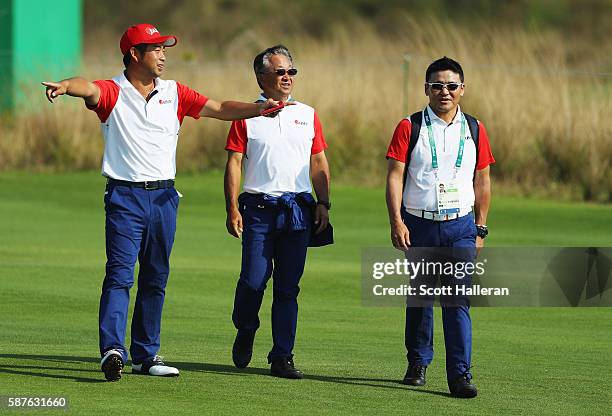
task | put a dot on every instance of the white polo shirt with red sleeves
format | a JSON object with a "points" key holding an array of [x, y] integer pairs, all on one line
{"points": [[277, 149], [140, 136], [420, 190]]}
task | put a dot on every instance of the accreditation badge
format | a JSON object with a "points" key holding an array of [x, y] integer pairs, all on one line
{"points": [[448, 197]]}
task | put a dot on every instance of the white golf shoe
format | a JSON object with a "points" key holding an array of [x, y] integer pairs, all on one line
{"points": [[155, 367]]}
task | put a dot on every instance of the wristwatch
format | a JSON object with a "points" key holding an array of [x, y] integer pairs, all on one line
{"points": [[482, 231], [326, 204]]}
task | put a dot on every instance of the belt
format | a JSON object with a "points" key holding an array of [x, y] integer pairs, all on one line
{"points": [[148, 185], [434, 216]]}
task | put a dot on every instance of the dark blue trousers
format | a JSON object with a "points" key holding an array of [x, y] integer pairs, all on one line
{"points": [[456, 321], [267, 252], [140, 225]]}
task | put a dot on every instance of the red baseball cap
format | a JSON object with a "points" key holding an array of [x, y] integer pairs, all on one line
{"points": [[144, 33]]}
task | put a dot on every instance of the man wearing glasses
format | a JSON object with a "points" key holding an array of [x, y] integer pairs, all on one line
{"points": [[274, 215], [438, 195]]}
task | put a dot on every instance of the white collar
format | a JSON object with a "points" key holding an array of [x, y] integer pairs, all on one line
{"points": [[434, 117], [123, 82], [264, 98]]}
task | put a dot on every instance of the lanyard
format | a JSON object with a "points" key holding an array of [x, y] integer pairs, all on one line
{"points": [[432, 144]]}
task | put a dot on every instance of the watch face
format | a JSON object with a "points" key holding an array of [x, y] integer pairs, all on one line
{"points": [[482, 232]]}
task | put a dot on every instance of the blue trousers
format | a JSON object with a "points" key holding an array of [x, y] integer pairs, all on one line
{"points": [[140, 225], [267, 252], [456, 320]]}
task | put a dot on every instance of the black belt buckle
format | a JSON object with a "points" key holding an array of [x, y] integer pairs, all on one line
{"points": [[151, 186]]}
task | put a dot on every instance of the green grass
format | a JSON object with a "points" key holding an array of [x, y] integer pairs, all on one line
{"points": [[526, 360]]}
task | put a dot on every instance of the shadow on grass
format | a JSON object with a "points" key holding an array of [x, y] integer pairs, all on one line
{"points": [[222, 369], [356, 381], [49, 371]]}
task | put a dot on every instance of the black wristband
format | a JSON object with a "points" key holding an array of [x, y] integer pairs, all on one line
{"points": [[482, 231]]}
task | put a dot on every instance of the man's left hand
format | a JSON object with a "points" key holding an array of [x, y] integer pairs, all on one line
{"points": [[321, 218]]}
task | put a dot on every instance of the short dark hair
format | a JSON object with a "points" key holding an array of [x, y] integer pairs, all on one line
{"points": [[444, 64], [127, 58]]}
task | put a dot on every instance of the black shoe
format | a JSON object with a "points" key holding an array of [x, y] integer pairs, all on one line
{"points": [[112, 365], [415, 375], [284, 367], [242, 351], [462, 387]]}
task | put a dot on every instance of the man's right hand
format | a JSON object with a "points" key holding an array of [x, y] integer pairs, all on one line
{"points": [[55, 89], [234, 223], [400, 237], [75, 87]]}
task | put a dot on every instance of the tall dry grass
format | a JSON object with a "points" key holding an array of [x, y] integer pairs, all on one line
{"points": [[549, 126]]}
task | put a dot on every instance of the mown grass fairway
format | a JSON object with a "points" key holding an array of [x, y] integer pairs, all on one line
{"points": [[526, 360]]}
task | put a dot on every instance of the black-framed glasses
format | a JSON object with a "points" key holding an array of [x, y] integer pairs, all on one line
{"points": [[439, 86], [281, 72]]}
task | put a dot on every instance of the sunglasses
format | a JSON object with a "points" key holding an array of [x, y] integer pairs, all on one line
{"points": [[281, 72], [439, 86]]}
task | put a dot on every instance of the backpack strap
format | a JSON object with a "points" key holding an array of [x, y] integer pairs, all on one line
{"points": [[416, 119], [474, 131]]}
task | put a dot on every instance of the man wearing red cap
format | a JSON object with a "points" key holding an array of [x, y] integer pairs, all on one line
{"points": [[141, 115]]}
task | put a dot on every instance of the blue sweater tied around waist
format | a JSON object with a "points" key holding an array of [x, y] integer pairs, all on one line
{"points": [[290, 217]]}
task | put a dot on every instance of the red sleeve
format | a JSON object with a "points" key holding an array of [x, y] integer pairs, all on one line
{"points": [[109, 93], [237, 137], [398, 148], [485, 157], [318, 143], [190, 102]]}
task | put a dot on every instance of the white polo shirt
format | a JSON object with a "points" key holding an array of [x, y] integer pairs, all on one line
{"points": [[140, 136], [277, 149], [420, 190]]}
